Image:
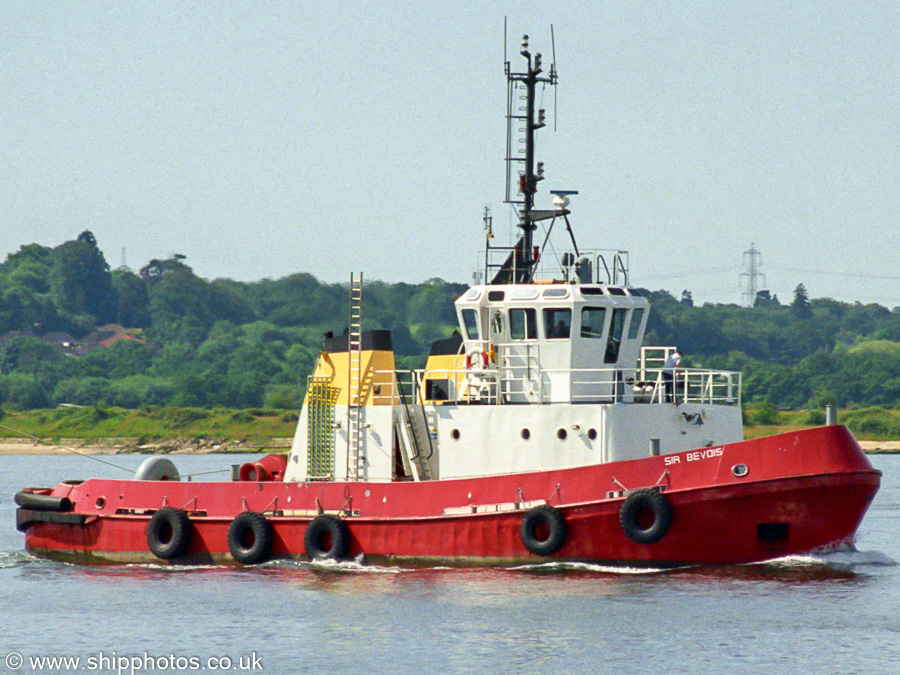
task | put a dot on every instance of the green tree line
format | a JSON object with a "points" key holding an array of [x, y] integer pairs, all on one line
{"points": [[203, 343], [226, 343]]}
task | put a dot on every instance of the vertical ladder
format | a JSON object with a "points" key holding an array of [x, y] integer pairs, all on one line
{"points": [[355, 458], [321, 396]]}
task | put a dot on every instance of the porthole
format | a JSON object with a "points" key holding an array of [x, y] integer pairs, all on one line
{"points": [[101, 502], [740, 470], [454, 434], [561, 434], [526, 434], [592, 434]]}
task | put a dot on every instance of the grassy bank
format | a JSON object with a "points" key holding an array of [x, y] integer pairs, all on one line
{"points": [[150, 424], [260, 426], [868, 424]]}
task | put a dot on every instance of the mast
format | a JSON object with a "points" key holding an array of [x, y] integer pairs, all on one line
{"points": [[523, 172]]}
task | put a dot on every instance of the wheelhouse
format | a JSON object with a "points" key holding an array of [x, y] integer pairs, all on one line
{"points": [[554, 342]]}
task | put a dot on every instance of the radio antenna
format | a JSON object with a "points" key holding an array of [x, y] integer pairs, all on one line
{"points": [[505, 59], [553, 73]]}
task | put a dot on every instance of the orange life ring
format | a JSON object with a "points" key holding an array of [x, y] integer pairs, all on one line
{"points": [[473, 359]]}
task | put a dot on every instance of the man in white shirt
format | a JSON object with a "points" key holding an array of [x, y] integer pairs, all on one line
{"points": [[668, 373]]}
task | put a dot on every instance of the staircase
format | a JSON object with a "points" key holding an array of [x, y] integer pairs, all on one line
{"points": [[416, 440]]}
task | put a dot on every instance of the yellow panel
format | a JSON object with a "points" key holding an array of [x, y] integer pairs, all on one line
{"points": [[445, 367], [376, 381]]}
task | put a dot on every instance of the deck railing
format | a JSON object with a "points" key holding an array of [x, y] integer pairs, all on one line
{"points": [[597, 266], [520, 381]]}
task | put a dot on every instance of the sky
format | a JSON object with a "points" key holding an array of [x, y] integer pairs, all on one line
{"points": [[262, 139]]}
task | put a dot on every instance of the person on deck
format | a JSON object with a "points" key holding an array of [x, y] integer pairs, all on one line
{"points": [[668, 373]]}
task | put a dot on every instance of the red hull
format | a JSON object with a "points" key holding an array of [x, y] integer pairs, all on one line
{"points": [[813, 487]]}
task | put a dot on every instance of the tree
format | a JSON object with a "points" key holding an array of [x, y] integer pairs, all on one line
{"points": [[121, 359], [23, 392], [432, 302], [156, 269], [179, 308], [132, 299], [687, 298], [800, 306], [766, 413], [765, 298], [25, 354], [80, 280]]}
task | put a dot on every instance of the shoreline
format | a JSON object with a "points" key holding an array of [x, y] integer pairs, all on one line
{"points": [[129, 447], [197, 447]]}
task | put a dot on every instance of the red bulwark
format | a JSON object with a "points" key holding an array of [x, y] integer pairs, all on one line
{"points": [[737, 503]]}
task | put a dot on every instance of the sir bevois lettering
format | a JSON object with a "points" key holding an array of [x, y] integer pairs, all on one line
{"points": [[709, 453]]}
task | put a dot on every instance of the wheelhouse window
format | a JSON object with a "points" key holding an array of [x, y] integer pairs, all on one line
{"points": [[637, 316], [592, 322], [497, 323], [470, 319], [616, 328], [557, 323], [523, 324]]}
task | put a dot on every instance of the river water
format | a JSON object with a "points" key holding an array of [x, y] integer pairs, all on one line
{"points": [[837, 613]]}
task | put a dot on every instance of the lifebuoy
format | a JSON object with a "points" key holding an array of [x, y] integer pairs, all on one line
{"points": [[477, 359], [543, 530], [169, 533], [327, 538], [250, 538], [646, 516]]}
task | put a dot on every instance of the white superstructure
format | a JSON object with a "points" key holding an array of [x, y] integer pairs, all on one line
{"points": [[544, 376]]}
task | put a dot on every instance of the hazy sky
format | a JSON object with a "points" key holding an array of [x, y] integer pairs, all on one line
{"points": [[261, 139]]}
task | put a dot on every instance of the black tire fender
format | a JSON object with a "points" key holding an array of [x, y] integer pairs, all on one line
{"points": [[169, 533], [634, 516], [539, 520], [250, 538], [327, 538]]}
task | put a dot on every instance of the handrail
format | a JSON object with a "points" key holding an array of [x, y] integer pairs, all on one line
{"points": [[402, 397], [499, 384], [549, 267]]}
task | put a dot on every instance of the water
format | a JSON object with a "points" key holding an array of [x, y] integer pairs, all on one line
{"points": [[819, 614]]}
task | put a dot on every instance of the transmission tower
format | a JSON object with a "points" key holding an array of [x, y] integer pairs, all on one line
{"points": [[124, 266], [752, 279]]}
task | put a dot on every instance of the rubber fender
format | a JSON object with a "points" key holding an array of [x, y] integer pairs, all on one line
{"points": [[543, 530], [327, 538], [36, 502], [169, 533], [157, 468], [645, 516], [250, 538]]}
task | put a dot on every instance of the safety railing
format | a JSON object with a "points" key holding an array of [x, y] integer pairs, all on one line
{"points": [[590, 266], [500, 384], [689, 385]]}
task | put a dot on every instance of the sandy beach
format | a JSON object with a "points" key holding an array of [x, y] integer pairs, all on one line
{"points": [[22, 446]]}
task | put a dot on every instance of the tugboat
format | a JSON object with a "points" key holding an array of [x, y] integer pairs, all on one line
{"points": [[543, 431]]}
